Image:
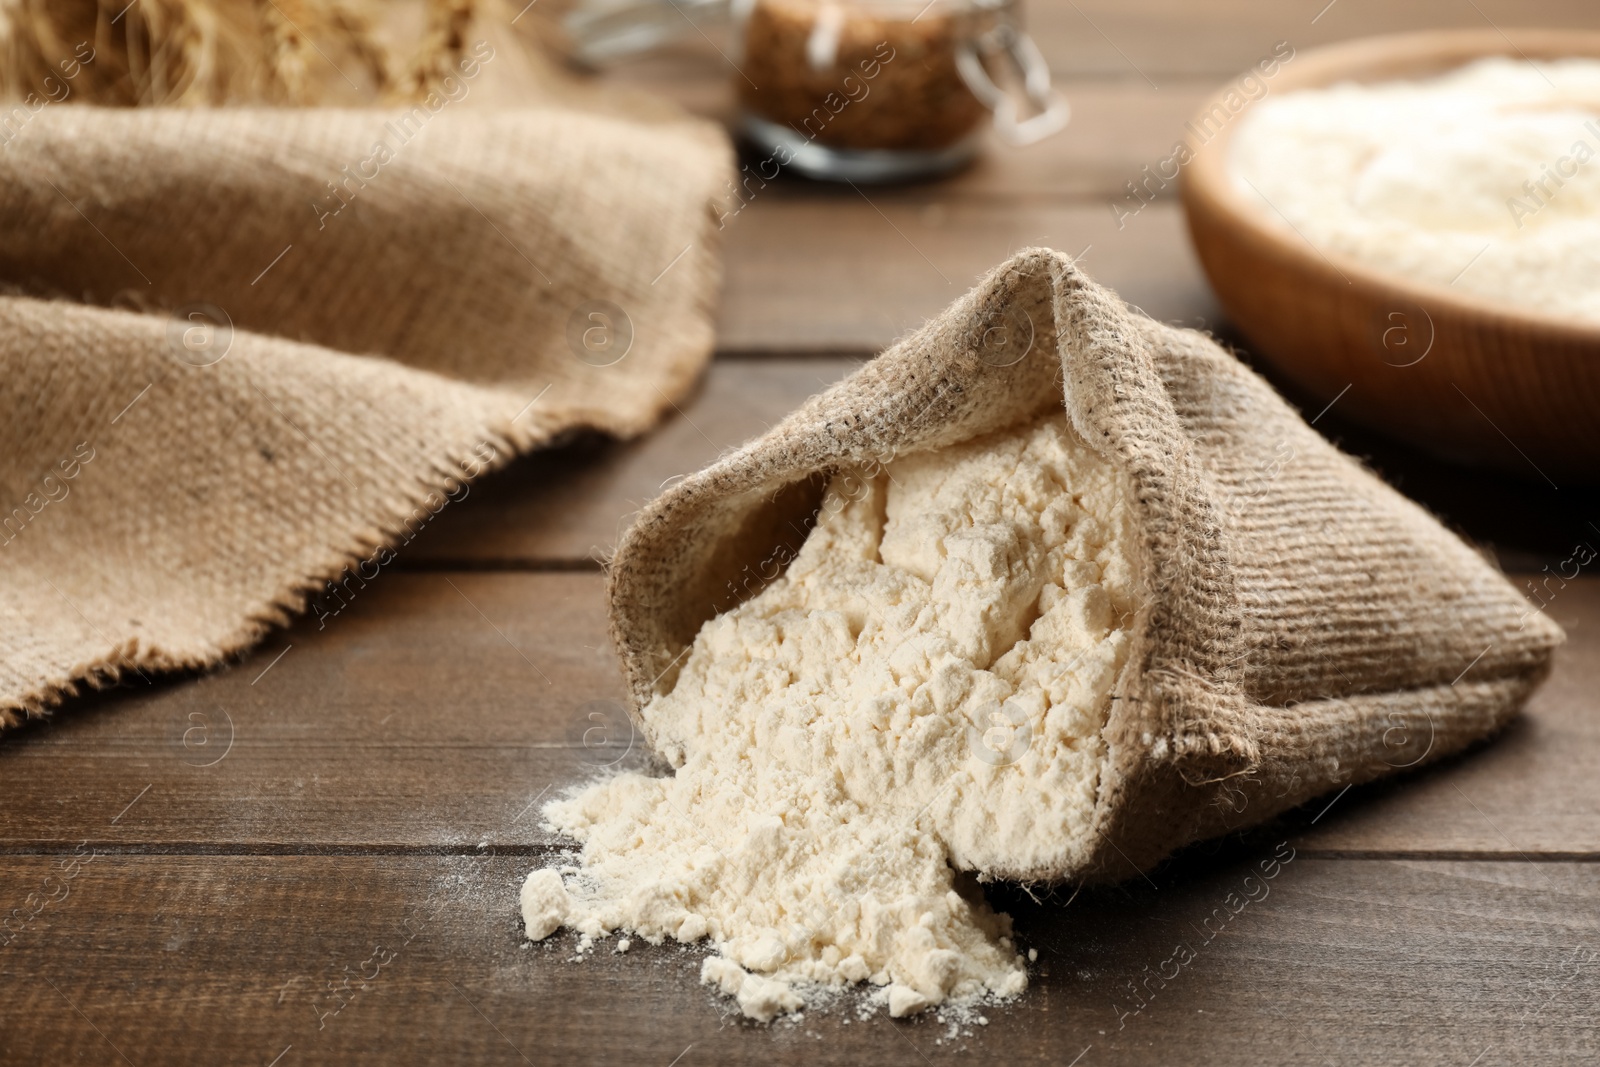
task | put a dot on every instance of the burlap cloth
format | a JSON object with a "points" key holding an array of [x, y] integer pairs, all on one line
{"points": [[1303, 626], [167, 493]]}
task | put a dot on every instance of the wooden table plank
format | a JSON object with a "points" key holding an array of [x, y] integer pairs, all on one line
{"points": [[874, 269], [564, 507], [421, 719], [259, 833], [426, 715], [1153, 42], [239, 959], [1163, 39], [570, 504], [1117, 128]]}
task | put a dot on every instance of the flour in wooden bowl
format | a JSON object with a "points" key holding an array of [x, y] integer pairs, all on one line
{"points": [[922, 693], [1486, 178]]}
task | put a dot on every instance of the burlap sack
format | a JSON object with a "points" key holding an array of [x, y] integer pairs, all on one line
{"points": [[379, 327], [1303, 627]]}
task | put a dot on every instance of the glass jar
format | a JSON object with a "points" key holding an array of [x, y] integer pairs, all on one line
{"points": [[886, 90], [600, 31]]}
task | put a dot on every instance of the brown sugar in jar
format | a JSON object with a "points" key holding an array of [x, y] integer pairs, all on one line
{"points": [[862, 75], [884, 90]]}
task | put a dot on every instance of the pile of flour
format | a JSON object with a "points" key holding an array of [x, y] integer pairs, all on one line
{"points": [[922, 691], [1487, 177]]}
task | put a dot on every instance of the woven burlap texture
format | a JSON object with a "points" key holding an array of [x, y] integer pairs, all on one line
{"points": [[1303, 626], [169, 490]]}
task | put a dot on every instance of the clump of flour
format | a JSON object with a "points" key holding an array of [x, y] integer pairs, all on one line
{"points": [[1486, 178], [921, 692]]}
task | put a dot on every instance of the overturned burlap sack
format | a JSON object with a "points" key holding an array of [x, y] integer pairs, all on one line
{"points": [[245, 350], [1303, 626]]}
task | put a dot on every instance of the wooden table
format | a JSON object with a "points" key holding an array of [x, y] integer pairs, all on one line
{"points": [[312, 856]]}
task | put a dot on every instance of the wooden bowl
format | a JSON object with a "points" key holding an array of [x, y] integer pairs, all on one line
{"points": [[1456, 373]]}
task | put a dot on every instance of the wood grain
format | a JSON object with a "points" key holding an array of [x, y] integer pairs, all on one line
{"points": [[1152, 42], [426, 715], [570, 504], [240, 959], [564, 507], [876, 267], [371, 782], [1160, 40], [434, 710], [1117, 127]]}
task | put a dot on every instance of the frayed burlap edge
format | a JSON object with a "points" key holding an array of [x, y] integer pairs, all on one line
{"points": [[276, 611], [679, 372]]}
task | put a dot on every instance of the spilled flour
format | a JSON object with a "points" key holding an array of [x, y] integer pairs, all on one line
{"points": [[921, 692]]}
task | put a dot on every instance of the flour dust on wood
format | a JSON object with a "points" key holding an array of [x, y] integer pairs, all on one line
{"points": [[919, 696]]}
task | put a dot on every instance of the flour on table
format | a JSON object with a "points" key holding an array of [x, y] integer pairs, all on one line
{"points": [[921, 694]]}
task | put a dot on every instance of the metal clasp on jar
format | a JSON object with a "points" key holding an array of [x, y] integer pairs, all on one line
{"points": [[1051, 109]]}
